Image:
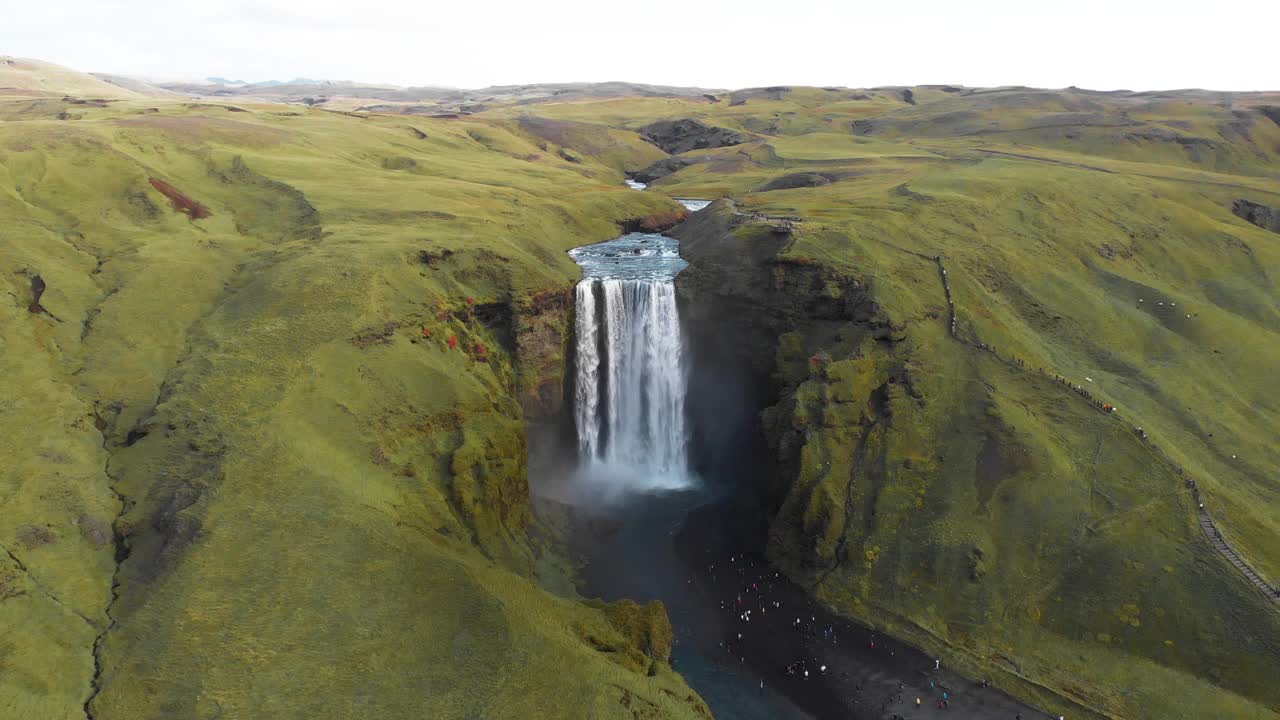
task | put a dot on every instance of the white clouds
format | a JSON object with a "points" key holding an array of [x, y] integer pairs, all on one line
{"points": [[470, 43]]}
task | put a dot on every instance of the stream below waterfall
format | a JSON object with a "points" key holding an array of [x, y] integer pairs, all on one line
{"points": [[691, 534]]}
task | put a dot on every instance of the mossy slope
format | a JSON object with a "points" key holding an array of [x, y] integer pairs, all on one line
{"points": [[964, 498], [265, 418], [295, 421]]}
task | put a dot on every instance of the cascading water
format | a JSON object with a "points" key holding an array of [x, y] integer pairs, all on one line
{"points": [[586, 388], [630, 385]]}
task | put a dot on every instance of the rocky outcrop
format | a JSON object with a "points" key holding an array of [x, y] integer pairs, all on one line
{"points": [[733, 257], [744, 300], [1264, 216], [1163, 135], [775, 92], [646, 629], [661, 169], [722, 284], [895, 489], [865, 127], [796, 180], [542, 330], [680, 136], [745, 291], [848, 400]]}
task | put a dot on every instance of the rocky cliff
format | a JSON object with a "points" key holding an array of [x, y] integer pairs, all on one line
{"points": [[914, 487], [685, 134]]}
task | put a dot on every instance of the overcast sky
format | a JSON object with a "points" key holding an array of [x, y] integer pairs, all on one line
{"points": [[1100, 44]]}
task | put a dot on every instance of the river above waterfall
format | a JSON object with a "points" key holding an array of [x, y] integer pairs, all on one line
{"points": [[634, 256]]}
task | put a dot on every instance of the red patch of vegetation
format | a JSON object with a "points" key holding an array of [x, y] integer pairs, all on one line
{"points": [[481, 352], [453, 341], [181, 202], [663, 220], [471, 301], [426, 331]]}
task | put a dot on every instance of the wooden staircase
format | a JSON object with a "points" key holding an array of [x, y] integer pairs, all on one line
{"points": [[1215, 537]]}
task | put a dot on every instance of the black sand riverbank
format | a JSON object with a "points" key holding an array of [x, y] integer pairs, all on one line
{"points": [[829, 666], [745, 636]]}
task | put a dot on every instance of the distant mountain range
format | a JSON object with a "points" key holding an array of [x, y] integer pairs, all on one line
{"points": [[425, 100], [264, 83]]}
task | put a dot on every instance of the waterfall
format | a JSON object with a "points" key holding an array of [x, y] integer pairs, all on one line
{"points": [[629, 390], [631, 350], [640, 422], [586, 388], [615, 349]]}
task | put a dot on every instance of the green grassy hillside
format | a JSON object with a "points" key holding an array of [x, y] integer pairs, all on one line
{"points": [[26, 77], [263, 426], [1051, 251], [267, 374], [966, 499]]}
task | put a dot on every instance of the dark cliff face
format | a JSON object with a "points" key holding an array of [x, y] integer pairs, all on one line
{"points": [[725, 289], [796, 180], [740, 265], [730, 330], [661, 169], [1264, 216], [680, 136], [542, 332], [750, 312], [543, 344], [904, 480]]}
